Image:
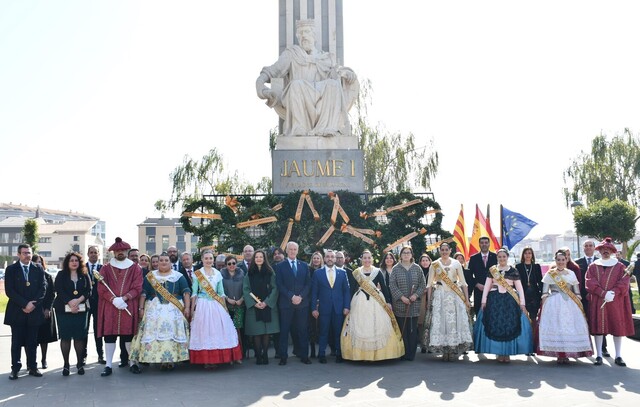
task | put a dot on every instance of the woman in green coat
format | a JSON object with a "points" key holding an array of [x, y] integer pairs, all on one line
{"points": [[261, 298]]}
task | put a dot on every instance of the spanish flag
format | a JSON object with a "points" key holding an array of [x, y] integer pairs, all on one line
{"points": [[460, 237], [482, 228]]}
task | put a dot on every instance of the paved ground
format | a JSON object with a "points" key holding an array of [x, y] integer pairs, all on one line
{"points": [[472, 381]]}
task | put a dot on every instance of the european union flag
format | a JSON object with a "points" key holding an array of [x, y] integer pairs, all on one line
{"points": [[515, 227]]}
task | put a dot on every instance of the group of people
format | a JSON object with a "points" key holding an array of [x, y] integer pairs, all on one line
{"points": [[165, 311]]}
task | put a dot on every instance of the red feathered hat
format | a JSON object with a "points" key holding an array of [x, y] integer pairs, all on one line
{"points": [[119, 245], [607, 243]]}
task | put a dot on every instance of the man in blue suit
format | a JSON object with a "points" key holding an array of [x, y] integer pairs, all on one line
{"points": [[25, 286], [294, 284], [331, 300]]}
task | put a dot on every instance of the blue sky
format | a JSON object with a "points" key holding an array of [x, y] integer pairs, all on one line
{"points": [[99, 101]]}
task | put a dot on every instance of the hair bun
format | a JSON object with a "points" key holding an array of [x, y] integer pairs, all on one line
{"points": [[118, 239]]}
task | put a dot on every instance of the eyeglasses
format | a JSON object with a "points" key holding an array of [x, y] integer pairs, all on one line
{"points": [[233, 263]]}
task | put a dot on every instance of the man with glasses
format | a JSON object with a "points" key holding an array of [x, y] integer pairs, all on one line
{"points": [[25, 286]]}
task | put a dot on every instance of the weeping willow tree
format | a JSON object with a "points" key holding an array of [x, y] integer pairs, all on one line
{"points": [[392, 161]]}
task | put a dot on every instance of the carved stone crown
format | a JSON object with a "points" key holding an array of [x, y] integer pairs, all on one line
{"points": [[305, 23]]}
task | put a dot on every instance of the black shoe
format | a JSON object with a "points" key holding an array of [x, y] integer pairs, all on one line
{"points": [[80, 370], [101, 360], [306, 361], [135, 369], [598, 361], [65, 371], [605, 353], [322, 359], [620, 362], [423, 350], [35, 373], [13, 375], [259, 361], [106, 372], [44, 364], [265, 359], [124, 364], [283, 361], [339, 359]]}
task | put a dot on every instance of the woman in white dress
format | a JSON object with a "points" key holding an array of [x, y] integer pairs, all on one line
{"points": [[447, 323], [214, 338], [370, 331], [563, 330]]}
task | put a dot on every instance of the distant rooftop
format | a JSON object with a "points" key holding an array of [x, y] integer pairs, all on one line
{"points": [[10, 210], [161, 222]]}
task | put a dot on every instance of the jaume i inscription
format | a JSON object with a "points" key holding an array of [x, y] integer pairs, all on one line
{"points": [[318, 168]]}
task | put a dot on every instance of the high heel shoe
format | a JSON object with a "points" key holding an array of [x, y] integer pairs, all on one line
{"points": [[65, 370]]}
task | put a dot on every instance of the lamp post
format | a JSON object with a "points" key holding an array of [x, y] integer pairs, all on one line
{"points": [[574, 205]]}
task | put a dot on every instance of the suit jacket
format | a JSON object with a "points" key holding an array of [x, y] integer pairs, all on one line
{"points": [[65, 288], [186, 276], [290, 285], [93, 299], [479, 270], [15, 286], [241, 265], [582, 262], [326, 299]]}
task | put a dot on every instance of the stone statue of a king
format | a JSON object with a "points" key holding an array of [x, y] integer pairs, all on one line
{"points": [[316, 93]]}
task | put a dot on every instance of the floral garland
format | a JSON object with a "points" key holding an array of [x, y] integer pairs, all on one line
{"points": [[360, 225]]}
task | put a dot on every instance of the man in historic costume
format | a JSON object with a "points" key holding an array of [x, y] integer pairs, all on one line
{"points": [[319, 93], [609, 309], [124, 278], [25, 286]]}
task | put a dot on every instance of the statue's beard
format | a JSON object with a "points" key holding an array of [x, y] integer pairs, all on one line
{"points": [[307, 45]]}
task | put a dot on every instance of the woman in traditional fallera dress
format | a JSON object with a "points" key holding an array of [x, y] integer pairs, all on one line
{"points": [[447, 323], [563, 331], [214, 338], [502, 327], [370, 331], [163, 333]]}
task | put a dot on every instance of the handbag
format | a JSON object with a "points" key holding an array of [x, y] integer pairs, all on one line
{"points": [[81, 308]]}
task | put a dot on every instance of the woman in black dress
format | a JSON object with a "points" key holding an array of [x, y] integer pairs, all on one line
{"points": [[72, 292], [531, 278], [48, 331]]}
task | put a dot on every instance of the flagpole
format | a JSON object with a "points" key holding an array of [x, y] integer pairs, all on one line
{"points": [[501, 228]]}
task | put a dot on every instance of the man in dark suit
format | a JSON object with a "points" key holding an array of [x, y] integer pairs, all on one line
{"points": [[332, 300], [247, 255], [294, 284], [479, 265], [172, 251], [25, 286], [92, 266], [186, 267]]}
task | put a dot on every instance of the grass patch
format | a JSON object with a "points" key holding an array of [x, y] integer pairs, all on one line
{"points": [[3, 301]]}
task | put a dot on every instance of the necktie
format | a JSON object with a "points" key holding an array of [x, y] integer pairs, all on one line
{"points": [[588, 260], [189, 272], [331, 278], [92, 267], [25, 271], [175, 267], [484, 259], [294, 267]]}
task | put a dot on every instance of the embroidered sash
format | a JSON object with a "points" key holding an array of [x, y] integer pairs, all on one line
{"points": [[163, 291], [499, 278], [204, 283], [565, 288], [442, 274], [363, 282]]}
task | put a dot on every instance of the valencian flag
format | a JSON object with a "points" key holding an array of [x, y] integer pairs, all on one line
{"points": [[460, 237], [482, 228], [515, 227]]}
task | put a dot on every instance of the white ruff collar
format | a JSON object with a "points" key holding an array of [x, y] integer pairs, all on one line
{"points": [[172, 278], [607, 263], [124, 264]]}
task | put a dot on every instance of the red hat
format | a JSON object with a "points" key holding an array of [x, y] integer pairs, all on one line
{"points": [[119, 245], [607, 243]]}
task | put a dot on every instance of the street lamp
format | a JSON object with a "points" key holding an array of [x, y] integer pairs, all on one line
{"points": [[574, 205]]}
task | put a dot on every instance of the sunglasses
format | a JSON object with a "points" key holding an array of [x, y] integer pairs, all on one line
{"points": [[231, 263]]}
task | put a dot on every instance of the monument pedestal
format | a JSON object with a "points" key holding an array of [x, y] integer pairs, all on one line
{"points": [[317, 143], [322, 170]]}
